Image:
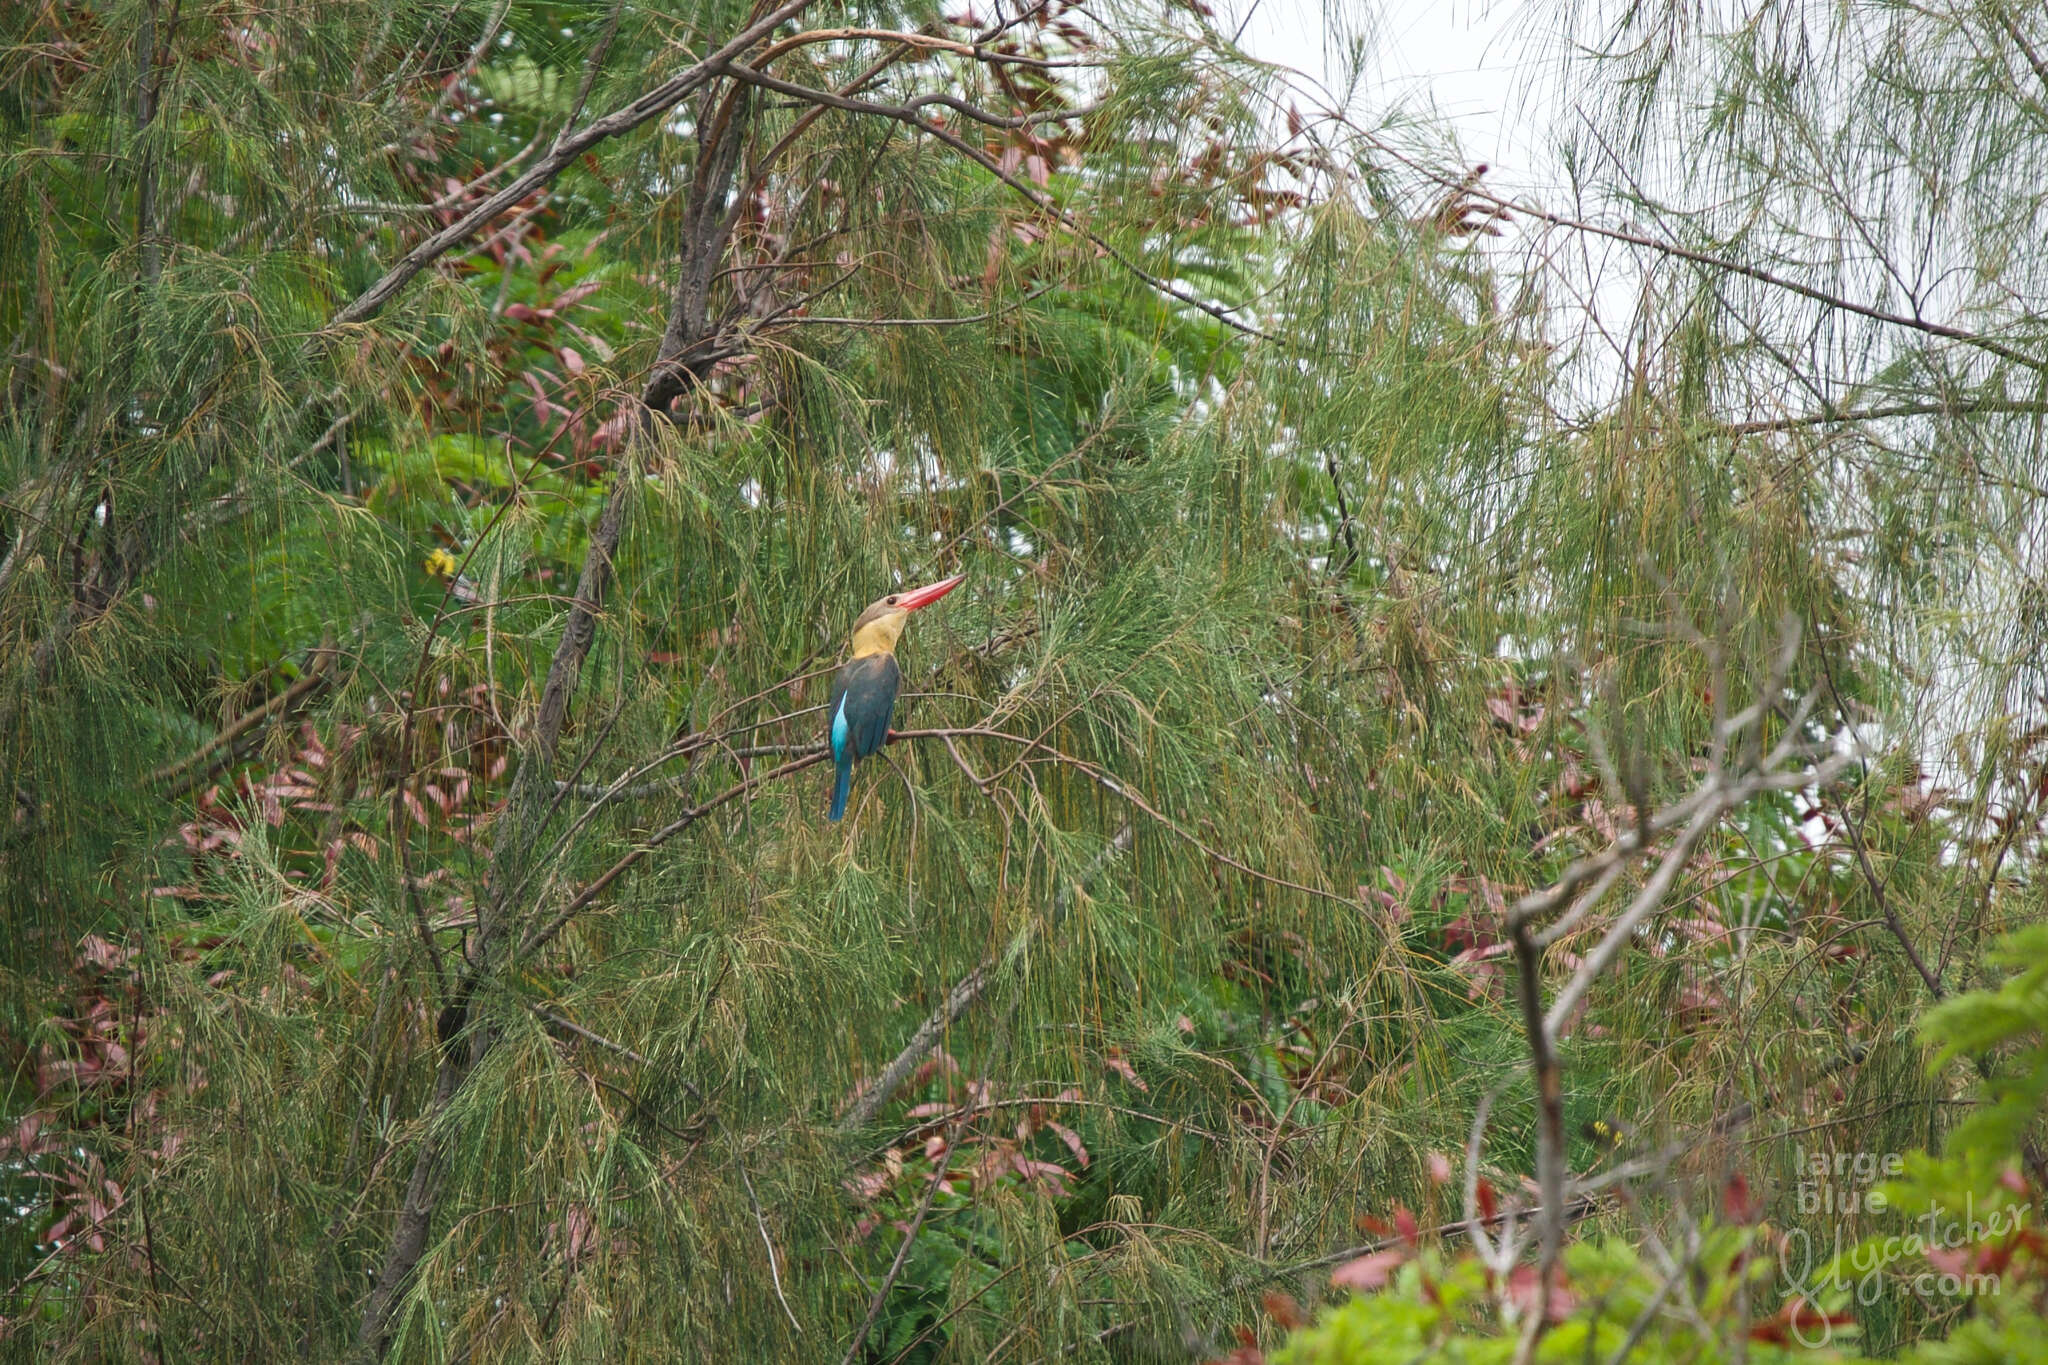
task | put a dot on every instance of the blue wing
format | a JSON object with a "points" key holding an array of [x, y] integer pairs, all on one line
{"points": [[863, 700]]}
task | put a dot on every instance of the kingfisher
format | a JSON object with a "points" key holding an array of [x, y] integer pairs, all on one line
{"points": [[864, 692]]}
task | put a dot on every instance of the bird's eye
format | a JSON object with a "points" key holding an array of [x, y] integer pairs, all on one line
{"points": [[891, 599]]}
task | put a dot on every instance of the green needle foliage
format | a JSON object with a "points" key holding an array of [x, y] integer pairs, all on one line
{"points": [[423, 937]]}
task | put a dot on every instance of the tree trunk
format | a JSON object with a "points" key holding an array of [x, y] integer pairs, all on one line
{"points": [[690, 347]]}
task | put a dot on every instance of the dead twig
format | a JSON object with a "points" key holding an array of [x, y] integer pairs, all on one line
{"points": [[774, 1270]]}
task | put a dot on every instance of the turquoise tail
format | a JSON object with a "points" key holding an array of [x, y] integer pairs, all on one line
{"points": [[840, 789]]}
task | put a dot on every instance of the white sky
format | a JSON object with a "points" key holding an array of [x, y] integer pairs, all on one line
{"points": [[1478, 63], [1490, 70]]}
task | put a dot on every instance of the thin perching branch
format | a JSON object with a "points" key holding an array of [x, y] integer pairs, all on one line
{"points": [[315, 675], [774, 1269]]}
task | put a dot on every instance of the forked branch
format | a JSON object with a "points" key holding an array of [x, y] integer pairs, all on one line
{"points": [[1741, 768]]}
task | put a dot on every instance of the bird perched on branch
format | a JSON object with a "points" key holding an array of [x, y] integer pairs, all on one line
{"points": [[864, 692]]}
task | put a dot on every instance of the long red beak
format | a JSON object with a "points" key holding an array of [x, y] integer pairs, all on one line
{"points": [[925, 596]]}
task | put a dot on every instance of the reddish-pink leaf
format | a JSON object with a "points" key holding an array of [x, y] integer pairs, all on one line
{"points": [[1405, 1224], [939, 1061], [1524, 1291], [1282, 1309], [1800, 1319], [101, 953], [1369, 1272], [1050, 1175], [577, 1230], [1737, 1202], [1950, 1260], [994, 264], [1484, 967], [23, 1138], [1124, 1069]]}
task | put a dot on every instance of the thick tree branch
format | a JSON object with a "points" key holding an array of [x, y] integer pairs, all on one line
{"points": [[152, 53], [690, 344], [531, 789], [686, 354]]}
